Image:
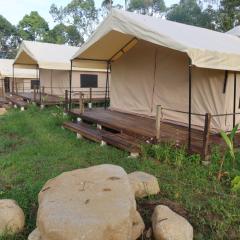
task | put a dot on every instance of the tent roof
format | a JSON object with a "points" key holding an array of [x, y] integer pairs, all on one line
{"points": [[235, 31], [45, 55], [6, 70], [206, 48]]}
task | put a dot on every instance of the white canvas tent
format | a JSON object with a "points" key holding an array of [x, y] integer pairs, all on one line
{"points": [[21, 75], [235, 31], [158, 62], [53, 62]]}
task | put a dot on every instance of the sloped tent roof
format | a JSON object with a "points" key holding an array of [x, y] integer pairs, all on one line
{"points": [[45, 55], [235, 31], [6, 70], [205, 48]]}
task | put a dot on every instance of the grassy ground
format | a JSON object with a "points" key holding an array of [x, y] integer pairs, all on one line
{"points": [[33, 149]]}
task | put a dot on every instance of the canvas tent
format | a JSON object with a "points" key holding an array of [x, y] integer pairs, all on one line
{"points": [[235, 31], [190, 70], [22, 76], [53, 62]]}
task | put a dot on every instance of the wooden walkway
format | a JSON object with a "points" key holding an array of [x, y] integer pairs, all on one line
{"points": [[45, 99], [140, 129]]}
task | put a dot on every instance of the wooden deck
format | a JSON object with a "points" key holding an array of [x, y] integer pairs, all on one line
{"points": [[144, 129], [3, 101], [45, 99]]}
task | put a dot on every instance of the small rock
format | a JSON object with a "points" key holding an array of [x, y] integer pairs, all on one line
{"points": [[2, 111], [138, 226], [167, 225], [149, 233], [143, 184], [12, 218], [35, 235]]}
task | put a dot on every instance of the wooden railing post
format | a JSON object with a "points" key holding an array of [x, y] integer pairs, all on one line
{"points": [[16, 87], [206, 135], [81, 103], [66, 100], [158, 122], [34, 93]]}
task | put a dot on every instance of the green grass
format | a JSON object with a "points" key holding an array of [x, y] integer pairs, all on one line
{"points": [[34, 148]]}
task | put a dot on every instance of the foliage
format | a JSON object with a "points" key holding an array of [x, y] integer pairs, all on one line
{"points": [[190, 12], [62, 34], [236, 184], [149, 7], [32, 27], [8, 38], [80, 13], [33, 149]]}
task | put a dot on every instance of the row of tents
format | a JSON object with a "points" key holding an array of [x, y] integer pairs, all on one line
{"points": [[189, 71]]}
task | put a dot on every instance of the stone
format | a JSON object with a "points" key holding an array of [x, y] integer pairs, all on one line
{"points": [[35, 235], [12, 219], [138, 226], [2, 111], [168, 225], [143, 184], [95, 203]]}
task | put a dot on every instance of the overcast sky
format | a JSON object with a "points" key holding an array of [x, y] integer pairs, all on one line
{"points": [[14, 10]]}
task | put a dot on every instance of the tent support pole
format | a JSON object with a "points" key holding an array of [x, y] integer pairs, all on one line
{"points": [[70, 86], [189, 105], [107, 86], [13, 80], [234, 99]]}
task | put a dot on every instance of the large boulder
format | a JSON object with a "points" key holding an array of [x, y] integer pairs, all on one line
{"points": [[95, 203], [12, 218], [143, 184], [168, 225]]}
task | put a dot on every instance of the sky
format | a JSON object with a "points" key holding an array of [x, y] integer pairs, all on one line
{"points": [[14, 10]]}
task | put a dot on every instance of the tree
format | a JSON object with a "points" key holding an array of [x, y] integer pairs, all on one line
{"points": [[62, 34], [228, 14], [33, 27], [148, 7], [81, 13], [8, 39], [190, 12]]}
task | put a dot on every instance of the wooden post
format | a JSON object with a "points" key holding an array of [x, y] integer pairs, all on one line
{"points": [[90, 94], [16, 87], [158, 122], [34, 93], [42, 95], [81, 103], [66, 100], [190, 106], [234, 99], [206, 135]]}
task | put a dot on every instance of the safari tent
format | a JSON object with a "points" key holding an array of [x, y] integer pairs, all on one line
{"points": [[189, 71], [235, 31], [53, 63], [169, 81], [23, 77]]}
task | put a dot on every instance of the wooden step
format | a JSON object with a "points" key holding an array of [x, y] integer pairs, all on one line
{"points": [[123, 141], [85, 130], [17, 101]]}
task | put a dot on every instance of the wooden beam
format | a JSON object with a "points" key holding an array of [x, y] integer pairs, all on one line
{"points": [[158, 122], [206, 135], [66, 100], [189, 105], [81, 103], [234, 99]]}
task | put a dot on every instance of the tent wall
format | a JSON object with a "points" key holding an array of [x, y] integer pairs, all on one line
{"points": [[150, 75], [57, 81]]}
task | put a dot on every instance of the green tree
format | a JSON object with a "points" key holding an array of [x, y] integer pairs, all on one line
{"points": [[149, 7], [228, 14], [62, 34], [33, 27], [80, 13], [190, 12], [8, 39]]}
